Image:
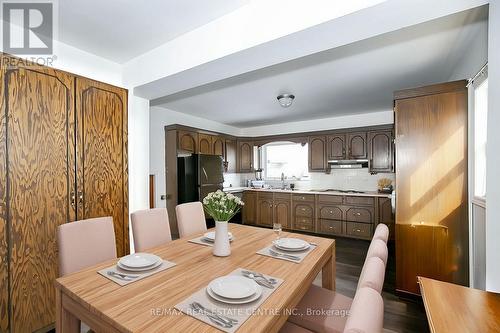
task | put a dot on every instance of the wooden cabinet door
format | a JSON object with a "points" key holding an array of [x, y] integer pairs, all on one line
{"points": [[218, 144], [4, 245], [245, 156], [336, 147], [230, 155], [380, 151], [205, 144], [188, 141], [357, 145], [282, 213], [265, 211], [385, 215], [317, 153], [102, 156], [39, 170], [249, 213]]}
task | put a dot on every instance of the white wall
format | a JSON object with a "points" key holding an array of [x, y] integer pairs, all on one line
{"points": [[493, 156]]}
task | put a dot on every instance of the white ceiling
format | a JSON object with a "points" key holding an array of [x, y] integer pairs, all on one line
{"points": [[120, 30], [356, 78]]}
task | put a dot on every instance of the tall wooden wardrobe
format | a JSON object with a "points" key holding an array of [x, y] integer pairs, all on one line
{"points": [[63, 157], [431, 185]]}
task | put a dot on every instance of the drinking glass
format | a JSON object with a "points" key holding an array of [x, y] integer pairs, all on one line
{"points": [[277, 229]]}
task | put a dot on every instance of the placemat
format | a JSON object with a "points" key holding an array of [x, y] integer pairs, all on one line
{"points": [[286, 255], [236, 312], [201, 240], [134, 276]]}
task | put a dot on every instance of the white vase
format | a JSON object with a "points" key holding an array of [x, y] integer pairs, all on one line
{"points": [[221, 243]]}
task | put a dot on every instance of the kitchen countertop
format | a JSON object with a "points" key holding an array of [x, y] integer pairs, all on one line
{"points": [[365, 194]]}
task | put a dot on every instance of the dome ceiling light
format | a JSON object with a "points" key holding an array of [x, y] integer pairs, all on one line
{"points": [[285, 100]]}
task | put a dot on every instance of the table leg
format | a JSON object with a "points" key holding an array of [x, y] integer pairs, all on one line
{"points": [[328, 273], [66, 322]]}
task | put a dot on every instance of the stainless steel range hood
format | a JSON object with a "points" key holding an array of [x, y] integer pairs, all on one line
{"points": [[348, 164]]}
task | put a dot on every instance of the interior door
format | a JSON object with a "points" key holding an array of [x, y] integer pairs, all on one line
{"points": [[38, 178], [102, 155]]}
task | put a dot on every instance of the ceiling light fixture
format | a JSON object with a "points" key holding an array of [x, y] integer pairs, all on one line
{"points": [[285, 100]]}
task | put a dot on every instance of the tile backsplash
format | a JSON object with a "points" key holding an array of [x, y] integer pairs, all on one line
{"points": [[342, 179]]}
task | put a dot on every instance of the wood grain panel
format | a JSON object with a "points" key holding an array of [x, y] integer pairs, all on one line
{"points": [[431, 215], [102, 165], [4, 258], [218, 144], [205, 144], [317, 153], [39, 108]]}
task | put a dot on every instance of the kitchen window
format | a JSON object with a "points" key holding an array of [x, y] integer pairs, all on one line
{"points": [[288, 158], [480, 120]]}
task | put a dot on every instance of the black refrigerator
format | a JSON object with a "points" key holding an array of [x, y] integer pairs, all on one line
{"points": [[198, 175]]}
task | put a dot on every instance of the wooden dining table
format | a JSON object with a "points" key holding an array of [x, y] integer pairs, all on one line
{"points": [[147, 305]]}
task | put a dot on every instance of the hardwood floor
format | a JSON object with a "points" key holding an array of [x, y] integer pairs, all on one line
{"points": [[400, 315]]}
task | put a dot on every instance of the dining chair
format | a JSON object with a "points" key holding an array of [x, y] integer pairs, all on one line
{"points": [[150, 228], [367, 312], [373, 274], [190, 218], [381, 232], [85, 243]]}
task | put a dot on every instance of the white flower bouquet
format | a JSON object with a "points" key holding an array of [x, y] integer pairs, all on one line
{"points": [[222, 206]]}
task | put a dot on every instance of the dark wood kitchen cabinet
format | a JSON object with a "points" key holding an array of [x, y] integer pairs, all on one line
{"points": [[357, 145], [249, 212], [282, 210], [303, 216], [385, 215], [230, 163], [218, 146], [317, 153], [380, 151], [205, 144], [188, 141], [265, 207], [336, 147], [245, 156]]}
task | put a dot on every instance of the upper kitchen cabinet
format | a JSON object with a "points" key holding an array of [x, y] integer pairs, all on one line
{"points": [[187, 141], [317, 153], [245, 156], [230, 155], [205, 145], [336, 145], [357, 145], [218, 145], [380, 151]]}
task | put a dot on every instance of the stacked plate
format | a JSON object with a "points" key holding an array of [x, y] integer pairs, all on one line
{"points": [[139, 262], [210, 236], [291, 244], [234, 289]]}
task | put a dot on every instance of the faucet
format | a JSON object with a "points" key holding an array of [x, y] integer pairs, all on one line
{"points": [[283, 181]]}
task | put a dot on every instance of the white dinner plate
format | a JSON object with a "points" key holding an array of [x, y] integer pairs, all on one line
{"points": [[291, 244], [245, 300], [139, 260], [233, 287], [210, 236], [147, 268]]}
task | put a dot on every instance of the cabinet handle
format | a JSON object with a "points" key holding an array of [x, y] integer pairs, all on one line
{"points": [[80, 198], [357, 214], [73, 199], [356, 230]]}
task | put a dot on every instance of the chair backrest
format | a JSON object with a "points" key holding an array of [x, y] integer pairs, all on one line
{"points": [[381, 232], [372, 274], [190, 218], [367, 312], [150, 228], [378, 248], [85, 243]]}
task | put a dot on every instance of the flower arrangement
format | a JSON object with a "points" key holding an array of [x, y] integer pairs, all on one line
{"points": [[222, 206]]}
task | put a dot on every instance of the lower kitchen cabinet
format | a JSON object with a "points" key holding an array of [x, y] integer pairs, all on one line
{"points": [[358, 230], [282, 212], [249, 212], [386, 216], [303, 214], [265, 209], [331, 227]]}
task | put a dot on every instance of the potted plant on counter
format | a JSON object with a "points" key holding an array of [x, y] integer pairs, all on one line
{"points": [[222, 207]]}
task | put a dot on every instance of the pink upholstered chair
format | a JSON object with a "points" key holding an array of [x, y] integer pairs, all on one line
{"points": [[190, 218], [150, 228], [381, 232], [367, 312], [378, 248], [85, 243], [289, 327], [372, 274]]}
